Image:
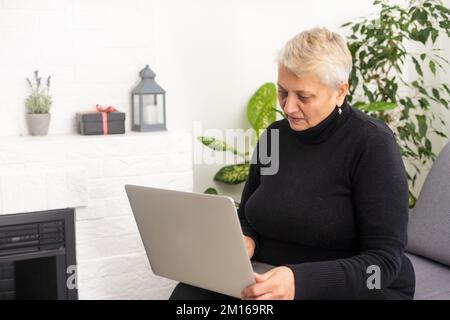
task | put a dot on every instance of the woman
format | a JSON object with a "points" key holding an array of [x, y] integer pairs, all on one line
{"points": [[333, 217]]}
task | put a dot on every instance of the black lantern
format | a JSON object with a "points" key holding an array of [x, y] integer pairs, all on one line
{"points": [[148, 104]]}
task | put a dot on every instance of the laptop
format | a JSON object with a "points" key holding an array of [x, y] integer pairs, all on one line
{"points": [[193, 238]]}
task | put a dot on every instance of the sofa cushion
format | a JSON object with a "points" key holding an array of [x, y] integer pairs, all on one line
{"points": [[429, 224], [432, 279]]}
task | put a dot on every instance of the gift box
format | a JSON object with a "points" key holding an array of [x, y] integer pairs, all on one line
{"points": [[103, 121]]}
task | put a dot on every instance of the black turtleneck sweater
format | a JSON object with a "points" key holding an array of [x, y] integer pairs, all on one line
{"points": [[337, 205]]}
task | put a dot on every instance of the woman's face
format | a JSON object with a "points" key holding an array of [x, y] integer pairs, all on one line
{"points": [[305, 100]]}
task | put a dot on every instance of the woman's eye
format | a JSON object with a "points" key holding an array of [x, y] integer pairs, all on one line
{"points": [[284, 94], [303, 98]]}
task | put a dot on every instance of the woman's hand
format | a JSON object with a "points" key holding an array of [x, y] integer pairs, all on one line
{"points": [[250, 246], [276, 284]]}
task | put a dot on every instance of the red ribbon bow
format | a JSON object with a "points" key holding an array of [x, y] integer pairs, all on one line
{"points": [[105, 111]]}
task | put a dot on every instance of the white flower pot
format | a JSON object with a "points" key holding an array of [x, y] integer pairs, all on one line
{"points": [[38, 123]]}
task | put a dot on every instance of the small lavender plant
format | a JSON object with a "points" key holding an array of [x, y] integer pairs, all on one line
{"points": [[39, 100]]}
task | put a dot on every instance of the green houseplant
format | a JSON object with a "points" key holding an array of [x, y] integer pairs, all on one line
{"points": [[379, 83], [38, 105], [261, 112]]}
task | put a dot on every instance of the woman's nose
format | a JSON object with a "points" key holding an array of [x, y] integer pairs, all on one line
{"points": [[291, 104]]}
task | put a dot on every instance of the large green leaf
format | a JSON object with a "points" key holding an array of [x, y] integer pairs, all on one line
{"points": [[233, 174], [376, 106], [255, 137], [261, 107], [216, 144]]}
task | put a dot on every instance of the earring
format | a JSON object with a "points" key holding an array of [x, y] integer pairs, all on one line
{"points": [[339, 110]]}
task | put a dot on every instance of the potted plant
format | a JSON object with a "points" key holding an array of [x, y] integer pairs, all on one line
{"points": [[383, 46], [38, 106]]}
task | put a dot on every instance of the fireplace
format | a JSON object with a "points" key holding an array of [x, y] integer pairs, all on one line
{"points": [[88, 173], [37, 255]]}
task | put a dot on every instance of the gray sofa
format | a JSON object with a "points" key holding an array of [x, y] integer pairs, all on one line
{"points": [[429, 233]]}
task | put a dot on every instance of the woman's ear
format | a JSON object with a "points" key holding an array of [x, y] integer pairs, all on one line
{"points": [[342, 93]]}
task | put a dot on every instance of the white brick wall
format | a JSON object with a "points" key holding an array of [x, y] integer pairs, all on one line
{"points": [[122, 277], [90, 173]]}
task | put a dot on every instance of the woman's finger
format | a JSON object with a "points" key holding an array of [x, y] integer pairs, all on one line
{"points": [[257, 289], [266, 296], [259, 277]]}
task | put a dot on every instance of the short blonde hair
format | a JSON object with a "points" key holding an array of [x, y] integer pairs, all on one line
{"points": [[319, 51]]}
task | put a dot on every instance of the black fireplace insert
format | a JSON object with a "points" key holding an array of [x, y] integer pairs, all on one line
{"points": [[37, 256]]}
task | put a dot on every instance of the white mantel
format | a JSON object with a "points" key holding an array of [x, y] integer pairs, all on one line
{"points": [[89, 173]]}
